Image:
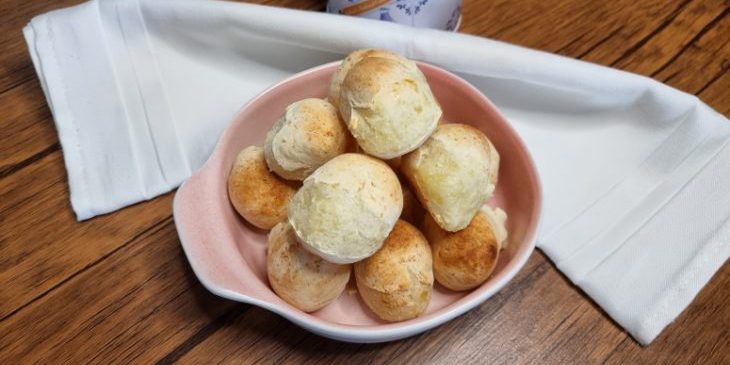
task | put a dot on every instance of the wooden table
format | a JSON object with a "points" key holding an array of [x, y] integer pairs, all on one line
{"points": [[117, 288]]}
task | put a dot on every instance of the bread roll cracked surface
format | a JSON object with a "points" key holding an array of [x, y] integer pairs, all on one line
{"points": [[453, 174], [258, 195], [302, 279], [346, 208], [309, 134], [397, 281], [353, 58], [465, 259], [387, 106]]}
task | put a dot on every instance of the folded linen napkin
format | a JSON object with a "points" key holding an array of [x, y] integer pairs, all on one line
{"points": [[636, 175]]}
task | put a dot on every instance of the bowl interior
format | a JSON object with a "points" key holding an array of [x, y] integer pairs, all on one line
{"points": [[230, 254]]}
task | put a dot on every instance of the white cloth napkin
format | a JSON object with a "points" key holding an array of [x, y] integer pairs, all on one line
{"points": [[636, 175]]}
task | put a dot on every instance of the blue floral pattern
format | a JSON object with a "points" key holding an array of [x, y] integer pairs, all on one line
{"points": [[454, 20], [410, 7], [385, 14], [441, 14]]}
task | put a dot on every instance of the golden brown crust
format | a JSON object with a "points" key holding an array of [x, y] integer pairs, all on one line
{"points": [[388, 106], [258, 195], [300, 278], [464, 259], [397, 281], [367, 74], [309, 134], [317, 121], [351, 60]]}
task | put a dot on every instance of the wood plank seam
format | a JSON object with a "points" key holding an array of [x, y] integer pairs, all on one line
{"points": [[502, 296], [672, 76], [599, 43], [6, 171], [572, 42], [240, 345], [111, 307], [282, 358], [154, 311], [5, 209], [665, 23], [508, 27], [92, 321], [19, 83], [404, 346], [565, 339], [202, 334], [717, 76], [560, 324], [616, 349], [692, 41], [160, 224]]}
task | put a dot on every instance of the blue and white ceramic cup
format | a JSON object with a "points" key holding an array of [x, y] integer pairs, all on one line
{"points": [[439, 14]]}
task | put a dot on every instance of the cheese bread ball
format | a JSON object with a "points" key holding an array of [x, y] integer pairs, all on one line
{"points": [[309, 134], [453, 174], [259, 196], [396, 283], [302, 279], [388, 107], [463, 260], [346, 208], [353, 58]]}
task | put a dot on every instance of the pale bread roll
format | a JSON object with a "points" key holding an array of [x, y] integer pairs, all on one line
{"points": [[463, 260], [259, 196], [309, 134], [388, 107], [396, 282], [302, 279], [354, 57], [453, 174], [346, 208]]}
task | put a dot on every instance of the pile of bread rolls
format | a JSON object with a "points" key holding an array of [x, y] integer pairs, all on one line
{"points": [[370, 180]]}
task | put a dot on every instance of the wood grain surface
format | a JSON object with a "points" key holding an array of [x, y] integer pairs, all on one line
{"points": [[117, 288]]}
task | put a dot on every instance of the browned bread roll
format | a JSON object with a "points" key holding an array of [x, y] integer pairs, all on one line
{"points": [[309, 134], [463, 260], [351, 60], [396, 283], [259, 196], [302, 279]]}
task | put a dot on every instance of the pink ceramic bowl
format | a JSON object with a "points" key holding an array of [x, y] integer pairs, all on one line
{"points": [[229, 256]]}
